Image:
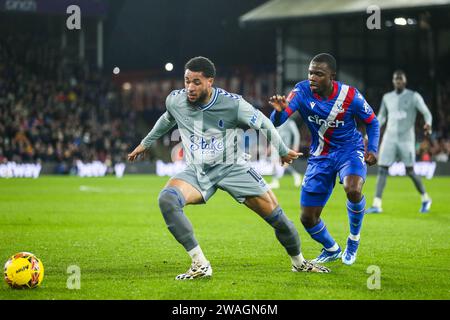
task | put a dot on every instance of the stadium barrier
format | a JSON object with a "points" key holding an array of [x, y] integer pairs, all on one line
{"points": [[160, 168]]}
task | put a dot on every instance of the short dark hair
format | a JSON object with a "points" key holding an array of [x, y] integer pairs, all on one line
{"points": [[326, 58], [201, 64], [399, 72]]}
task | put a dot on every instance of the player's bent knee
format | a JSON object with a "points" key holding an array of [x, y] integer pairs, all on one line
{"points": [[308, 221], [354, 194], [285, 231], [170, 199], [171, 202], [279, 220]]}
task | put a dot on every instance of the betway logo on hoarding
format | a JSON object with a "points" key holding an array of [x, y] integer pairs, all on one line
{"points": [[93, 169], [98, 169], [15, 170], [425, 169]]}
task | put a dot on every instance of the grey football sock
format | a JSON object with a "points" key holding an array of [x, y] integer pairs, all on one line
{"points": [[381, 181], [171, 203], [415, 178], [285, 231]]}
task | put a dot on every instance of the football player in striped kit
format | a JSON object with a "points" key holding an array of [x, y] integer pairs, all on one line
{"points": [[329, 108]]}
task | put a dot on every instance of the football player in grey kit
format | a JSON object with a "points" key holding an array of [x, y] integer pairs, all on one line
{"points": [[208, 120], [400, 108]]}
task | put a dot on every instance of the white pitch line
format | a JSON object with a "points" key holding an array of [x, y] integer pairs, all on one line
{"points": [[90, 189]]}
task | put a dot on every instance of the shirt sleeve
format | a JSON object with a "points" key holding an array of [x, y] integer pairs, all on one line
{"points": [[161, 127], [362, 108], [422, 107], [293, 100], [250, 116], [365, 112]]}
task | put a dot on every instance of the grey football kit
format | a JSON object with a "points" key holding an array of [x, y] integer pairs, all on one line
{"points": [[215, 160], [400, 111], [212, 142]]}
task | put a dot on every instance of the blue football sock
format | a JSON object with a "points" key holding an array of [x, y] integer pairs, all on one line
{"points": [[320, 233], [356, 215]]}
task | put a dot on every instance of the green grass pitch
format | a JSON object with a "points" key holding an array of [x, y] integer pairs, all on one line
{"points": [[113, 230]]}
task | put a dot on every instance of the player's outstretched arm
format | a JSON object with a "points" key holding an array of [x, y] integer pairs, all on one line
{"points": [[255, 119], [271, 133], [279, 104], [162, 126]]}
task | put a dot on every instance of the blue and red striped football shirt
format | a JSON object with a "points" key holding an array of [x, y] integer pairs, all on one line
{"points": [[331, 120]]}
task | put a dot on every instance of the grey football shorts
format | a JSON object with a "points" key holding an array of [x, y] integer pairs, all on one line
{"points": [[391, 152], [240, 182]]}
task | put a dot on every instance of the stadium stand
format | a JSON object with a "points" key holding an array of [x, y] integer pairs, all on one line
{"points": [[55, 112]]}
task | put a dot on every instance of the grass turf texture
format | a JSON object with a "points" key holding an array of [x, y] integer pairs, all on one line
{"points": [[113, 230]]}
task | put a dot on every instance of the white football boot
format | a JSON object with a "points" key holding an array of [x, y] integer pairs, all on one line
{"points": [[196, 270], [308, 266]]}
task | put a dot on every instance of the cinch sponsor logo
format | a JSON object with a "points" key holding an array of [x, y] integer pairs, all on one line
{"points": [[327, 123], [200, 143]]}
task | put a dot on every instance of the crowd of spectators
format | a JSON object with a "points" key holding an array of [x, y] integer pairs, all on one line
{"points": [[53, 110]]}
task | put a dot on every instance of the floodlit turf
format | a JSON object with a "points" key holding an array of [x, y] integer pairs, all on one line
{"points": [[113, 230]]}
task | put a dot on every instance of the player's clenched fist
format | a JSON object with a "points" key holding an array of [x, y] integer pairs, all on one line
{"points": [[278, 102], [290, 157], [370, 158]]}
